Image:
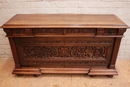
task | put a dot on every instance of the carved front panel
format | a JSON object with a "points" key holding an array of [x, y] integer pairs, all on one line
{"points": [[77, 52], [90, 55], [86, 52], [64, 51]]}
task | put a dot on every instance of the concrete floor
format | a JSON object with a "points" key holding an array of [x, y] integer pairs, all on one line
{"points": [[55, 80]]}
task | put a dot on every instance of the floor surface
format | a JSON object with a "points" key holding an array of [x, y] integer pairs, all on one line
{"points": [[54, 80]]}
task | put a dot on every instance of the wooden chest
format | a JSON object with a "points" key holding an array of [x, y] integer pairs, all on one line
{"points": [[65, 43]]}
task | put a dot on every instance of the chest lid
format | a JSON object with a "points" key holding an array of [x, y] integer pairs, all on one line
{"points": [[65, 21]]}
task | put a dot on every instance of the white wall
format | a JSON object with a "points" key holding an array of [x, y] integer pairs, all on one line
{"points": [[8, 8]]}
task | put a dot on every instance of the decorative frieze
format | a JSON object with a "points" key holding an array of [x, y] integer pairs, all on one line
{"points": [[89, 52]]}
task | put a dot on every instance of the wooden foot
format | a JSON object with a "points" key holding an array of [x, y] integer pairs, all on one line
{"points": [[20, 75], [92, 76], [36, 75], [110, 76]]}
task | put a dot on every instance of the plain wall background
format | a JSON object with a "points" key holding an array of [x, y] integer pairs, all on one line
{"points": [[9, 8]]}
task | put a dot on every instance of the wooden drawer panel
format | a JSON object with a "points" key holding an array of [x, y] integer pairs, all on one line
{"points": [[80, 31], [65, 32], [19, 32], [49, 31]]}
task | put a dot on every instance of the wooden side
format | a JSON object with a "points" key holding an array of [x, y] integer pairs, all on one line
{"points": [[14, 52], [115, 53]]}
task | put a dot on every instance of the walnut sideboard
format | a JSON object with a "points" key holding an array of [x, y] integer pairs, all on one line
{"points": [[65, 43]]}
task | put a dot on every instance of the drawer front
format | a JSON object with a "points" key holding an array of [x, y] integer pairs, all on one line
{"points": [[22, 32], [80, 31], [43, 32], [64, 32]]}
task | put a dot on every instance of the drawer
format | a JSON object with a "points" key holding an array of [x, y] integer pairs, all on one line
{"points": [[48, 32], [64, 32], [80, 31], [108, 32], [18, 32]]}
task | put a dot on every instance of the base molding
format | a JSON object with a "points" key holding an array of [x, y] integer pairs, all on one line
{"points": [[102, 71], [31, 71], [89, 71]]}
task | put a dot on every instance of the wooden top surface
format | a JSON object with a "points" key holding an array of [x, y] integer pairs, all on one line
{"points": [[64, 21]]}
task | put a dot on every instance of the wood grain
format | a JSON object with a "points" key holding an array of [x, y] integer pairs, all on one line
{"points": [[65, 21]]}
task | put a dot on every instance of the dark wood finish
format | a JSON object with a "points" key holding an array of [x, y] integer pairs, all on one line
{"points": [[102, 71], [23, 70], [14, 52], [65, 43]]}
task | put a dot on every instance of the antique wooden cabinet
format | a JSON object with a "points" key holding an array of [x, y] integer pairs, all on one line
{"points": [[65, 43]]}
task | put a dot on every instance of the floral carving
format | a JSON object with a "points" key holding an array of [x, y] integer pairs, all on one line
{"points": [[18, 32], [48, 31], [8, 32], [80, 31], [110, 31], [89, 52]]}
